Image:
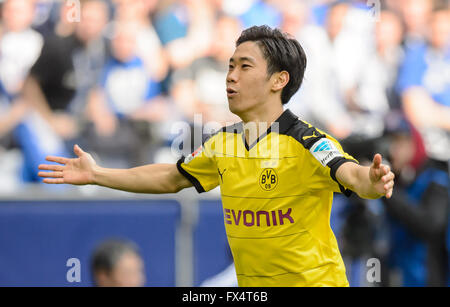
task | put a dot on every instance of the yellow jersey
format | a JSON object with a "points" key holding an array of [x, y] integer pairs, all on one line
{"points": [[276, 196]]}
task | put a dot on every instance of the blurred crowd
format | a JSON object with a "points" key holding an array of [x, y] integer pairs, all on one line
{"points": [[115, 75]]}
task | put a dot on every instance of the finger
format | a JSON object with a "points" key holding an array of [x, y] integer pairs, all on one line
{"points": [[54, 181], [377, 161], [389, 193], [51, 174], [386, 169], [51, 167], [60, 160], [389, 186], [77, 150], [390, 176]]}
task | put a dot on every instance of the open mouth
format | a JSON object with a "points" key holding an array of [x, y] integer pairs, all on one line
{"points": [[231, 92]]}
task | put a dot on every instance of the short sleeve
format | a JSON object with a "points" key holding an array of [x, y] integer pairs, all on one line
{"points": [[329, 153], [200, 168]]}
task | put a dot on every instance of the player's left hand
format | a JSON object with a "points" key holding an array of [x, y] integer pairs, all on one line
{"points": [[381, 177]]}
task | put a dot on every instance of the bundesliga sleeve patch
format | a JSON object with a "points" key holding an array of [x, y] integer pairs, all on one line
{"points": [[324, 151], [193, 155]]}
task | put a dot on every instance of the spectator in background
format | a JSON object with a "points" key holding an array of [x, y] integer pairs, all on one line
{"points": [[125, 103], [20, 45], [185, 29], [90, 59], [319, 11], [424, 86], [295, 16], [19, 48], [59, 82], [171, 21], [77, 52], [199, 88], [418, 209], [148, 46], [416, 15], [261, 12], [117, 263], [374, 92], [10, 115], [47, 15], [316, 95], [252, 12], [351, 29], [387, 57]]}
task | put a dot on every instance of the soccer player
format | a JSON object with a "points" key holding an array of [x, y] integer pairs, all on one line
{"points": [[276, 185]]}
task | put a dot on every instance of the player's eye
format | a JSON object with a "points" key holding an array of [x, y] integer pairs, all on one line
{"points": [[230, 67], [245, 66]]}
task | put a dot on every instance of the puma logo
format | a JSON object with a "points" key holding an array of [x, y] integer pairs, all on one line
{"points": [[221, 174], [310, 136]]}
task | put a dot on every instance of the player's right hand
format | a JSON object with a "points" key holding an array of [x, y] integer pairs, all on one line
{"points": [[78, 171]]}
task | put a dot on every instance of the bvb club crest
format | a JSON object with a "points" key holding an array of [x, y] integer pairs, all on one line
{"points": [[268, 179]]}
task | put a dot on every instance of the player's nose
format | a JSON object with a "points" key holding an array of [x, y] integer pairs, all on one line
{"points": [[232, 76]]}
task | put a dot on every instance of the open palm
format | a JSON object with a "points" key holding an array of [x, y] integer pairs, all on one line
{"points": [[381, 177], [78, 171]]}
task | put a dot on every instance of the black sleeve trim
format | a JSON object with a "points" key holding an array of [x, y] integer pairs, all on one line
{"points": [[189, 177], [334, 165]]}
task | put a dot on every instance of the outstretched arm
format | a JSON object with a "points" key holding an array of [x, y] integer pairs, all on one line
{"points": [[152, 178], [368, 182]]}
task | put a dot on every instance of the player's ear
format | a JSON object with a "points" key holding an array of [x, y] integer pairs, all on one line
{"points": [[280, 80]]}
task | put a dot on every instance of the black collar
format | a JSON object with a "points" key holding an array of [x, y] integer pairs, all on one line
{"points": [[285, 121]]}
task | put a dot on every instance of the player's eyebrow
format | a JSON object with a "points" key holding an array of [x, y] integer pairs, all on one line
{"points": [[243, 59]]}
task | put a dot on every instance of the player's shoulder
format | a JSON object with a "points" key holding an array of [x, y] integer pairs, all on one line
{"points": [[305, 134]]}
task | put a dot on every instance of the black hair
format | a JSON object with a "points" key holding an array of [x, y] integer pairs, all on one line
{"points": [[282, 53], [108, 253]]}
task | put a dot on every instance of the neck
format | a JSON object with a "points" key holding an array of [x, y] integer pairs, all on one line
{"points": [[260, 119], [266, 112]]}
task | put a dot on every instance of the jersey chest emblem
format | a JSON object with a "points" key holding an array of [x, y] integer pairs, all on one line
{"points": [[268, 179]]}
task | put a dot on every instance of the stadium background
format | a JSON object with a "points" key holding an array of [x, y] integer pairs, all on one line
{"points": [[119, 78]]}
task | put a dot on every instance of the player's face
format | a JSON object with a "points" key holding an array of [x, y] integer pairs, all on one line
{"points": [[248, 84]]}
